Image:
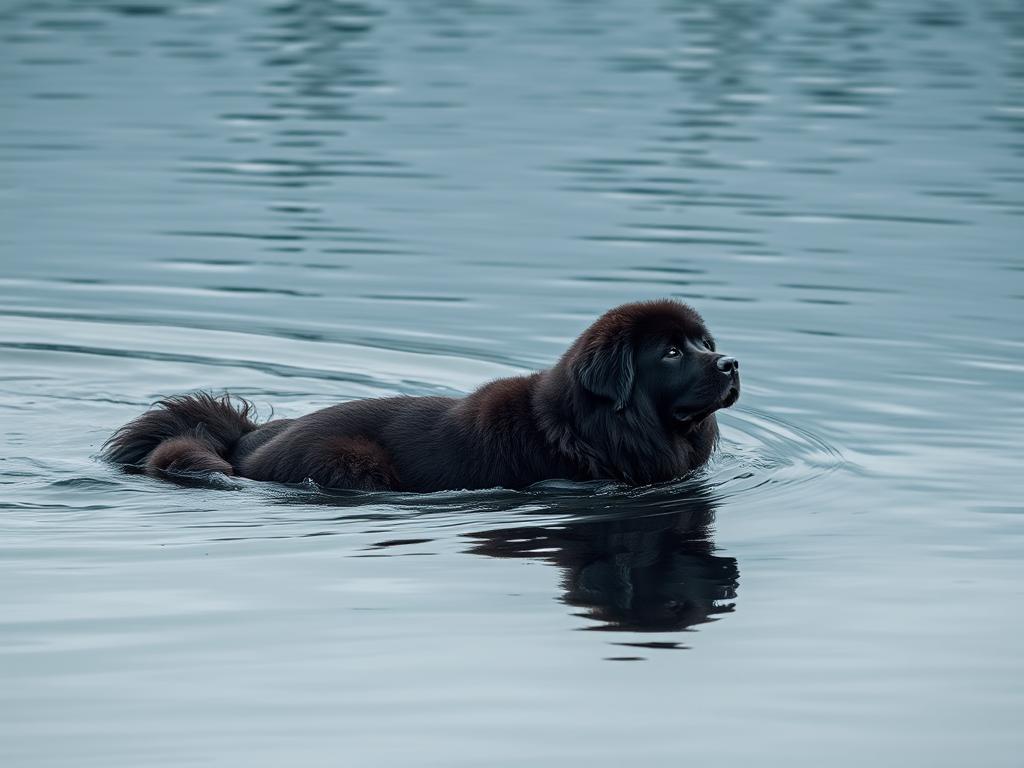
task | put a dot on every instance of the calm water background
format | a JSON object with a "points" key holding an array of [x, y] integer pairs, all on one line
{"points": [[309, 201]]}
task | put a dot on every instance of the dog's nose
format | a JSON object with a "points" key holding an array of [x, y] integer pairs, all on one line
{"points": [[727, 364]]}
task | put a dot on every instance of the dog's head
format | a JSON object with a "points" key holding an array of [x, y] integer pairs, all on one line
{"points": [[656, 356]]}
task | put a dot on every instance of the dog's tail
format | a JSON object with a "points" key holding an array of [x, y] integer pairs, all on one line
{"points": [[185, 433]]}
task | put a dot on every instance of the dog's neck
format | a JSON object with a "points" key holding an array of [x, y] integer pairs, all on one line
{"points": [[631, 444]]}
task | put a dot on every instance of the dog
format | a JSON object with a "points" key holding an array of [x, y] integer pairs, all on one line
{"points": [[633, 400]]}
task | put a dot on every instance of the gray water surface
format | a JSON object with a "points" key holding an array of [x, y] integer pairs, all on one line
{"points": [[307, 201]]}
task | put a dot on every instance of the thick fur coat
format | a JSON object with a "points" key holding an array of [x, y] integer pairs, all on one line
{"points": [[633, 400]]}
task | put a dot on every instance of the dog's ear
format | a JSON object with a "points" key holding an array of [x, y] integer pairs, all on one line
{"points": [[606, 368]]}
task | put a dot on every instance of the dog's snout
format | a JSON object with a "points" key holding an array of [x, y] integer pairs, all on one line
{"points": [[727, 364]]}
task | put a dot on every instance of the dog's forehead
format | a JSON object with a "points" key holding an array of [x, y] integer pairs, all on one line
{"points": [[670, 319]]}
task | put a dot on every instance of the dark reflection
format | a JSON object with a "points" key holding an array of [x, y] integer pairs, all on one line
{"points": [[639, 560], [646, 573]]}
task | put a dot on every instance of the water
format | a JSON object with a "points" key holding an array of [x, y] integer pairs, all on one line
{"points": [[309, 201]]}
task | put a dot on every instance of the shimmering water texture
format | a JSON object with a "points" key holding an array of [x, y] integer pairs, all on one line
{"points": [[308, 201]]}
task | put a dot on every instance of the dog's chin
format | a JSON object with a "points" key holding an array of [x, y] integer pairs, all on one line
{"points": [[731, 397], [687, 419]]}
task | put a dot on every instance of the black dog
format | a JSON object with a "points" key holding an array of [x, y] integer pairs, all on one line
{"points": [[632, 400]]}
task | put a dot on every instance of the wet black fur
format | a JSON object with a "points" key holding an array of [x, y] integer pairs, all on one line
{"points": [[591, 416], [205, 427]]}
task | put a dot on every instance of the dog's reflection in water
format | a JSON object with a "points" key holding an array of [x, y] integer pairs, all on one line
{"points": [[653, 571]]}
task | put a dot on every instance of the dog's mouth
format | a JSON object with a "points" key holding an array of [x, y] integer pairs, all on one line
{"points": [[731, 397], [688, 418]]}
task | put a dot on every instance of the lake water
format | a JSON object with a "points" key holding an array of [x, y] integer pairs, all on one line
{"points": [[304, 202]]}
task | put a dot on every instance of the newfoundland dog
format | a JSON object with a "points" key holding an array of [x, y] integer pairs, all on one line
{"points": [[632, 400]]}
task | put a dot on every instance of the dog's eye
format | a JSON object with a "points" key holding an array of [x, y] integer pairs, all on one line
{"points": [[672, 352]]}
